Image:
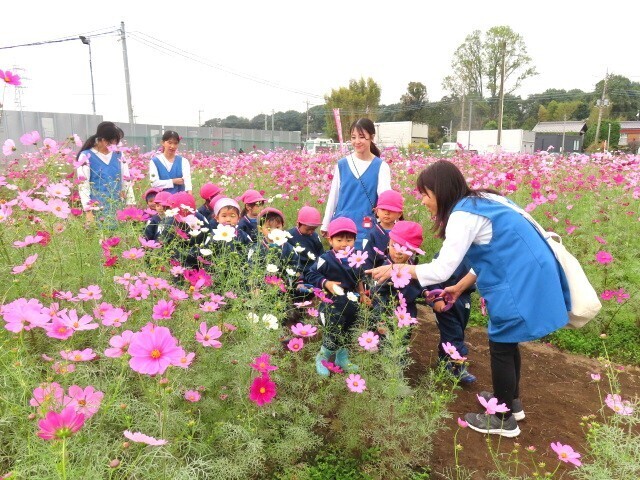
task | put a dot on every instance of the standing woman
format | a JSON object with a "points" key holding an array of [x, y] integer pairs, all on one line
{"points": [[102, 173], [169, 171], [525, 289], [357, 181]]}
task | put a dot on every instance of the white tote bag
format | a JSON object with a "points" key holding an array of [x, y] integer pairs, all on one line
{"points": [[585, 303]]}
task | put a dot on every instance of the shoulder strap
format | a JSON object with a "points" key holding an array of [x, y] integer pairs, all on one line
{"points": [[361, 182]]}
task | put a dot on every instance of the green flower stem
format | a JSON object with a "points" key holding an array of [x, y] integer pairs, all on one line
{"points": [[64, 459]]}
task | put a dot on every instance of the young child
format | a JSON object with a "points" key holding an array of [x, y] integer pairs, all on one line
{"points": [[278, 249], [210, 193], [149, 198], [304, 238], [226, 213], [333, 274], [170, 171], [253, 203], [388, 211], [152, 228]]}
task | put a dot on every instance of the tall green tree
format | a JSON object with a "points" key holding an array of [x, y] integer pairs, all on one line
{"points": [[413, 101], [360, 99], [468, 75]]}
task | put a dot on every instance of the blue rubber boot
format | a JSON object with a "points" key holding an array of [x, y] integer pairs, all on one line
{"points": [[461, 373], [324, 354], [342, 360]]}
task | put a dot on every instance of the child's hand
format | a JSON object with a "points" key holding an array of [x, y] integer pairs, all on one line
{"points": [[329, 286], [365, 300], [438, 307]]}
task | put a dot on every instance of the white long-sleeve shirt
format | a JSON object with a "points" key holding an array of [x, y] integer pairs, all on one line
{"points": [[384, 184], [84, 171], [154, 178], [463, 229]]}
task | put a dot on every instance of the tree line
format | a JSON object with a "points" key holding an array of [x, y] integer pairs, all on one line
{"points": [[483, 66]]}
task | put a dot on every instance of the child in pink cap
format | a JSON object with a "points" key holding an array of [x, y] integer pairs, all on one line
{"points": [[388, 211], [253, 203], [343, 285], [210, 193], [304, 238]]}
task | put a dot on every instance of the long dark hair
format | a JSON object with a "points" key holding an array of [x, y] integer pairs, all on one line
{"points": [[366, 125], [448, 185], [171, 135], [108, 131]]}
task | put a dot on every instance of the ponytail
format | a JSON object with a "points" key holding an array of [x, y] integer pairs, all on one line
{"points": [[89, 142], [375, 150], [108, 131]]}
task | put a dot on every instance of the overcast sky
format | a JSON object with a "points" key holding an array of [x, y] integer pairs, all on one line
{"points": [[305, 47]]}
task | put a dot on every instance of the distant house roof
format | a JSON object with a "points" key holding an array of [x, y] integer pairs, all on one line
{"points": [[559, 127], [629, 125]]}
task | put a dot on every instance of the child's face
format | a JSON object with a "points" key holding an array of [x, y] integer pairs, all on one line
{"points": [[341, 241], [151, 204], [306, 229], [396, 256], [271, 224], [228, 216], [253, 209], [387, 217]]}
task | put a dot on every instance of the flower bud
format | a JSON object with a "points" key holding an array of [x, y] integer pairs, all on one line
{"points": [[114, 463]]}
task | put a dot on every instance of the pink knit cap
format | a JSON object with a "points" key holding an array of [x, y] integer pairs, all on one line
{"points": [[390, 200], [151, 191], [183, 198], [225, 202], [264, 211], [163, 198], [251, 196], [209, 190], [342, 224], [309, 216], [407, 234]]}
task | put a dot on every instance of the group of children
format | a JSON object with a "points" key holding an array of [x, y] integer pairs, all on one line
{"points": [[253, 230]]}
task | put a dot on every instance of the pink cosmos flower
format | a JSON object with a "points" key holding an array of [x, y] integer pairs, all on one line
{"points": [[344, 253], [142, 438], [404, 318], [152, 351], [59, 329], [595, 377], [452, 351], [230, 295], [492, 406], [163, 310], [26, 265], [92, 292], [262, 364], [149, 243], [30, 138], [356, 383], [192, 396], [303, 330], [119, 344], [177, 294], [369, 341], [621, 295], [332, 367], [63, 368], [608, 294], [10, 78], [131, 214], [600, 240], [207, 337], [313, 312], [358, 259], [262, 390], [615, 403], [48, 396], [133, 254], [59, 208], [603, 257], [85, 401], [58, 190], [400, 277], [24, 316], [71, 320], [29, 240], [185, 360], [295, 344], [566, 454], [209, 306], [115, 317], [57, 426], [85, 355], [462, 423], [8, 147]]}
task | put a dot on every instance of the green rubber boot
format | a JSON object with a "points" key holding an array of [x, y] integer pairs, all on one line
{"points": [[342, 360], [324, 354]]}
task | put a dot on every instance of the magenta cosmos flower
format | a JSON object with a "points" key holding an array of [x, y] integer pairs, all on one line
{"points": [[356, 383], [142, 438], [207, 337], [303, 330], [566, 453], [152, 351], [262, 364], [262, 390], [57, 426], [603, 257], [10, 78]]}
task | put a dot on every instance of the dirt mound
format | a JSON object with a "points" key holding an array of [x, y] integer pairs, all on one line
{"points": [[556, 391]]}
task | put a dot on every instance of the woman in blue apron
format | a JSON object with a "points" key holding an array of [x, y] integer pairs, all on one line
{"points": [[168, 170]]}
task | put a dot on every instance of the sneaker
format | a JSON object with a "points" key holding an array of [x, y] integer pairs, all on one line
{"points": [[517, 410], [492, 424]]}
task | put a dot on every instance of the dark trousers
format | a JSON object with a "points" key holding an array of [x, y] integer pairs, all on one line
{"points": [[339, 318], [452, 325], [505, 372]]}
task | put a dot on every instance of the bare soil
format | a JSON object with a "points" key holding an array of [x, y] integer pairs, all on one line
{"points": [[556, 390]]}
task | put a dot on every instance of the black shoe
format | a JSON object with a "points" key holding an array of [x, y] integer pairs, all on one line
{"points": [[492, 424], [517, 410]]}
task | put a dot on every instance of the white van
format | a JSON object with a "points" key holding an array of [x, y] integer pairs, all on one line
{"points": [[449, 148]]}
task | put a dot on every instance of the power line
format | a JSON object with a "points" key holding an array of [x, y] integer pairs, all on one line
{"points": [[59, 40]]}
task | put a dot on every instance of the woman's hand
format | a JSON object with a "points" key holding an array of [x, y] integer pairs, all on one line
{"points": [[178, 181], [382, 273]]}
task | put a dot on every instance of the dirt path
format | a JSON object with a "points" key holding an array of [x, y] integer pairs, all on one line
{"points": [[556, 390]]}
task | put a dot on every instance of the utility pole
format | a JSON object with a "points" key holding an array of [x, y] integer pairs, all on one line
{"points": [[470, 113], [564, 128], [87, 41], [273, 115], [450, 130], [462, 114], [265, 121], [609, 137], [125, 58], [601, 104], [501, 94], [307, 102], [200, 119]]}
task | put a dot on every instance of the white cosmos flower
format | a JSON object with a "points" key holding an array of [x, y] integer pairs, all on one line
{"points": [[291, 272], [298, 249], [192, 221], [270, 321], [172, 212], [224, 233], [252, 317], [352, 296], [205, 252], [279, 237], [311, 256], [271, 268]]}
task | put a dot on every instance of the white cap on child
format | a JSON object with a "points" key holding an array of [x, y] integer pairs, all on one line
{"points": [[225, 202]]}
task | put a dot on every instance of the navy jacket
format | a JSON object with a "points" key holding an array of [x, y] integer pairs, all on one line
{"points": [[311, 244]]}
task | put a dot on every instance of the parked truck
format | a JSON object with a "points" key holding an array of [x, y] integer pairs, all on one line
{"points": [[401, 134], [486, 141]]}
